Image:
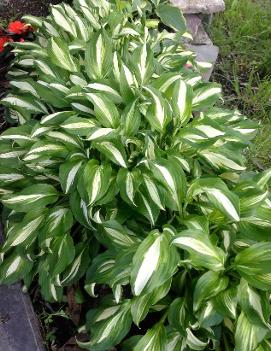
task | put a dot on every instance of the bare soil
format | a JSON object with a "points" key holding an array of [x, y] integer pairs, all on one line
{"points": [[16, 8]]}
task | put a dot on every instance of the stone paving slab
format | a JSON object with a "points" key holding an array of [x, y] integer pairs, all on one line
{"points": [[199, 6], [205, 53], [196, 28], [19, 327]]}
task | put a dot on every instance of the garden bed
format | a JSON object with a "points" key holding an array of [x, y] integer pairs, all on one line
{"points": [[127, 205]]}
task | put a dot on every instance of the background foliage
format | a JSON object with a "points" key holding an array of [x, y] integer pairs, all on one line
{"points": [[243, 34]]}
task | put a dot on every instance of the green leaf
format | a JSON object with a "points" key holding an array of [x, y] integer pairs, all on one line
{"points": [[106, 111], [154, 191], [172, 17], [100, 133], [252, 261], [79, 265], [89, 14], [154, 340], [255, 306], [26, 86], [105, 89], [8, 177], [128, 183], [131, 119], [182, 102], [208, 316], [33, 20], [62, 20], [41, 149], [98, 56], [146, 207], [78, 125], [171, 176], [218, 194], [49, 290], [69, 173], [208, 285], [206, 95], [64, 248], [158, 114], [142, 60], [127, 80], [114, 151], [226, 302], [25, 231], [142, 304], [79, 209], [202, 252], [193, 342], [57, 117], [221, 160], [25, 102], [14, 267], [174, 341], [108, 326], [177, 314], [100, 270], [118, 235], [94, 182], [32, 197], [247, 336], [59, 54], [82, 28], [154, 262], [64, 138], [59, 220]]}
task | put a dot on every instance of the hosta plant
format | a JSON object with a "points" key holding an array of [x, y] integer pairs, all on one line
{"points": [[124, 177]]}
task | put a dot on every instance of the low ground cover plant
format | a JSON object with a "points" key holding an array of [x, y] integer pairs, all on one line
{"points": [[122, 172]]}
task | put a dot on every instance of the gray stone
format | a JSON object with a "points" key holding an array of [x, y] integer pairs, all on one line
{"points": [[199, 6], [19, 328], [196, 29], [205, 53]]}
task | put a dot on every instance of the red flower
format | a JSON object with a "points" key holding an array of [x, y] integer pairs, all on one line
{"points": [[18, 27], [188, 65], [3, 41]]}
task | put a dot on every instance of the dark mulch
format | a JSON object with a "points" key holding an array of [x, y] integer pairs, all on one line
{"points": [[15, 8]]}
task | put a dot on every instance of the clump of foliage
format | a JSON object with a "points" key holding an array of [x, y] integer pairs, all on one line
{"points": [[122, 172]]}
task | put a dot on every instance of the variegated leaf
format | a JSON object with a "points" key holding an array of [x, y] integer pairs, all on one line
{"points": [[94, 182], [60, 55], [203, 253], [98, 56], [114, 151], [68, 174], [128, 183], [105, 110], [108, 326], [38, 195], [154, 263]]}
